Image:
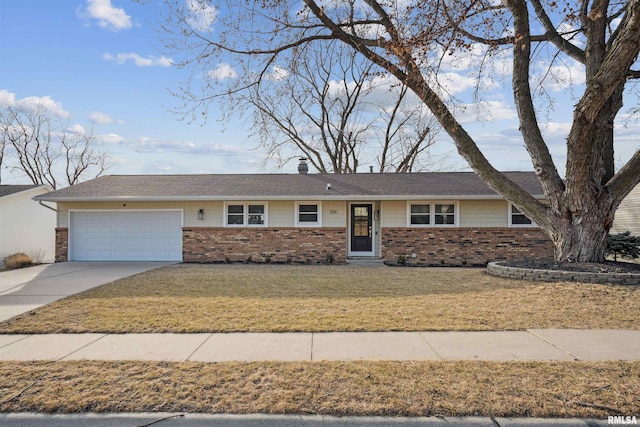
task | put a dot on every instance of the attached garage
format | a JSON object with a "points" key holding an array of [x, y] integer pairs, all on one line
{"points": [[125, 236]]}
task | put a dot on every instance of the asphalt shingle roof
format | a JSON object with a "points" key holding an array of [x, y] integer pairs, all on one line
{"points": [[7, 190], [287, 186]]}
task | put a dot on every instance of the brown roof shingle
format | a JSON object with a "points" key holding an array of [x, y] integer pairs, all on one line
{"points": [[288, 186]]}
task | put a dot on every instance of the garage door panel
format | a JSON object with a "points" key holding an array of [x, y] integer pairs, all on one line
{"points": [[126, 236]]}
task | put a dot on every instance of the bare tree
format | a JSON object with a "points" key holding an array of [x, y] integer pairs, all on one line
{"points": [[39, 145], [335, 110], [3, 144], [410, 39]]}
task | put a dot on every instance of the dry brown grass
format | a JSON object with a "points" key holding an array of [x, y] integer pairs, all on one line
{"points": [[269, 298], [337, 388]]}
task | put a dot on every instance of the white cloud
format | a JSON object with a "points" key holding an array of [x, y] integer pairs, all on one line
{"points": [[100, 118], [33, 103], [560, 77], [108, 16], [278, 73], [201, 15], [77, 129], [451, 83], [485, 111], [150, 61], [151, 145], [7, 99], [110, 138], [556, 129], [223, 71]]}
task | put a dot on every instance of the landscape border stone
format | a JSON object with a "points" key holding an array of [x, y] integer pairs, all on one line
{"points": [[542, 275]]}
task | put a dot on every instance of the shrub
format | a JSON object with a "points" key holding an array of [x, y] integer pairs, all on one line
{"points": [[37, 255], [19, 260], [623, 244]]}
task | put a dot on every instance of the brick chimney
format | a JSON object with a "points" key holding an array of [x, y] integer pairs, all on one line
{"points": [[302, 167]]}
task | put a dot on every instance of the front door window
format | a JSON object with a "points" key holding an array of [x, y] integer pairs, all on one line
{"points": [[361, 228]]}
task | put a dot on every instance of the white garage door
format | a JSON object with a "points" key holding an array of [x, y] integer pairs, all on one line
{"points": [[126, 236]]}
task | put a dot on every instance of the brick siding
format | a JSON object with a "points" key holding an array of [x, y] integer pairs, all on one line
{"points": [[296, 245], [438, 246], [463, 246], [62, 244]]}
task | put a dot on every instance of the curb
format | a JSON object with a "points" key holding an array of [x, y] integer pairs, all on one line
{"points": [[263, 420]]}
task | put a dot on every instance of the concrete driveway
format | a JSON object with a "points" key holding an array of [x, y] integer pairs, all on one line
{"points": [[28, 288]]}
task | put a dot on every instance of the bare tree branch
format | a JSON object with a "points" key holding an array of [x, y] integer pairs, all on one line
{"points": [[43, 149]]}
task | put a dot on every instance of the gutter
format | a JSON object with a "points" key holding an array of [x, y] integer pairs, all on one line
{"points": [[336, 197], [47, 206]]}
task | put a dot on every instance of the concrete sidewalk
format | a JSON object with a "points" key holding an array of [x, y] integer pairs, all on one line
{"points": [[24, 289], [531, 345]]}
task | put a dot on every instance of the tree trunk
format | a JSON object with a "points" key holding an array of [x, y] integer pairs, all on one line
{"points": [[581, 233]]}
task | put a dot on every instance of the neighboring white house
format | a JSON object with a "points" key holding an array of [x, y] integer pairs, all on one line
{"points": [[628, 214], [25, 225]]}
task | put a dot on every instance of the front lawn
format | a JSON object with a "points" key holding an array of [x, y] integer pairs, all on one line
{"points": [[514, 389], [278, 298]]}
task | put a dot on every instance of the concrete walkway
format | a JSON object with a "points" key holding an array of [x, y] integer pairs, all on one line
{"points": [[535, 344], [24, 289]]}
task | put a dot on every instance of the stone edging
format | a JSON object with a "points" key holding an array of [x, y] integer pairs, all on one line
{"points": [[496, 269]]}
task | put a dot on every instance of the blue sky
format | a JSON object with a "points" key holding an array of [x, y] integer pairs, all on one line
{"points": [[108, 73], [99, 63]]}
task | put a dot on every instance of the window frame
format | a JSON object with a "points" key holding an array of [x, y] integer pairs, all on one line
{"points": [[432, 213], [510, 214], [427, 214], [245, 214], [297, 213]]}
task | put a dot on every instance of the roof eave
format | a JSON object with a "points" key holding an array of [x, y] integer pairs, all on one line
{"points": [[328, 197]]}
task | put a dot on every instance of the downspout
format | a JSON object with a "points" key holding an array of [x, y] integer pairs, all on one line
{"points": [[47, 206]]}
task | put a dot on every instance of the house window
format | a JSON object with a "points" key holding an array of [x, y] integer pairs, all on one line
{"points": [[246, 215], [256, 215], [421, 214], [445, 214], [425, 214], [518, 219], [235, 214], [308, 214]]}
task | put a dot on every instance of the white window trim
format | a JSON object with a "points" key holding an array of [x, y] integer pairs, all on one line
{"points": [[245, 215], [308, 224], [512, 225], [432, 213]]}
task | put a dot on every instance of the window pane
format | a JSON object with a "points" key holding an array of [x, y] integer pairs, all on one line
{"points": [[256, 209], [235, 219], [520, 219], [361, 212], [445, 214], [361, 227], [445, 219], [445, 209], [420, 219], [424, 209], [308, 217], [237, 209], [256, 219], [308, 208]]}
